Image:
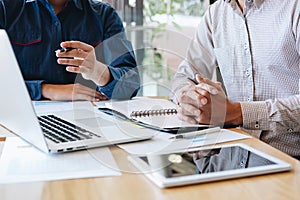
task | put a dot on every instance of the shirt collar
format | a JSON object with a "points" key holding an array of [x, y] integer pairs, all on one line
{"points": [[77, 3], [233, 3]]}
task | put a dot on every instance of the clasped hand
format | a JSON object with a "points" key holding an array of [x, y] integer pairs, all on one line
{"points": [[206, 103]]}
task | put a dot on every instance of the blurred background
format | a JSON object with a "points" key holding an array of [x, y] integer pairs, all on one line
{"points": [[160, 31]]}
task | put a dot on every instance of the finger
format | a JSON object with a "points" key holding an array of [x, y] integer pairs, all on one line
{"points": [[80, 96], [200, 79], [89, 96], [196, 98], [100, 96], [212, 83], [209, 88], [89, 91], [204, 96], [188, 110], [74, 53], [188, 119], [77, 45], [73, 69], [71, 62], [80, 69]]}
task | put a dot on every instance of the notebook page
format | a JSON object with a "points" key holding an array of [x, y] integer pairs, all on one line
{"points": [[167, 121]]}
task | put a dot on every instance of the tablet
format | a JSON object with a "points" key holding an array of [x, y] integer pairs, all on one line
{"points": [[200, 165]]}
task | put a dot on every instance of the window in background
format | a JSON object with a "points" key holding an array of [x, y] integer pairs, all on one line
{"points": [[160, 31]]}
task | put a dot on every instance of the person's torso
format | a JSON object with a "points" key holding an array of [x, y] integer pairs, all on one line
{"points": [[39, 31], [257, 54]]}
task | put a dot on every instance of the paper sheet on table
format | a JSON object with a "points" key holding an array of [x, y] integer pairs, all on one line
{"points": [[20, 162], [161, 142]]}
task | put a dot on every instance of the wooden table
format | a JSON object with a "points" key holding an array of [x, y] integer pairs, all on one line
{"points": [[133, 185]]}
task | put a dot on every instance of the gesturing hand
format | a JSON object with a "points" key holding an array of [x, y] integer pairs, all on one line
{"points": [[82, 59], [71, 92]]}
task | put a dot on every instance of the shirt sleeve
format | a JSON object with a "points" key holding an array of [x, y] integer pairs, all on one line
{"points": [[200, 58], [279, 115], [2, 15], [119, 56], [34, 89]]}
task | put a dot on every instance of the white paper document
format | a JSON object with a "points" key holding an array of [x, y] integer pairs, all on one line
{"points": [[161, 142], [20, 162]]}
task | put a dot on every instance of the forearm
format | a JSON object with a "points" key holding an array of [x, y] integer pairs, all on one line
{"points": [[234, 115]]}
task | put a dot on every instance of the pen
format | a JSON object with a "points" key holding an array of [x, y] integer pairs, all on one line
{"points": [[195, 134], [193, 80], [64, 50]]}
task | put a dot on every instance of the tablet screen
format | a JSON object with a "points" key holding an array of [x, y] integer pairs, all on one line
{"points": [[206, 164], [205, 161]]}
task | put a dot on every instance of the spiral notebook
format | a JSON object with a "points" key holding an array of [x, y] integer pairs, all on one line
{"points": [[158, 114]]}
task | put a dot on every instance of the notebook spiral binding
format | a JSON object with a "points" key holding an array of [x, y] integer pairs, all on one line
{"points": [[148, 113]]}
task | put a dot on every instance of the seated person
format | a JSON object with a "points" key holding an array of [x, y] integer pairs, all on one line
{"points": [[256, 45], [37, 28]]}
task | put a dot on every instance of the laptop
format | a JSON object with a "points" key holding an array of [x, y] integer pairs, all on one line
{"points": [[206, 164], [55, 132]]}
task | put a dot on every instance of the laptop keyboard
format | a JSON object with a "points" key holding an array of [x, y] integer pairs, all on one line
{"points": [[59, 130]]}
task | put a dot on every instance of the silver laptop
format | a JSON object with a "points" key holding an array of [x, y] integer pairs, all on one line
{"points": [[55, 132]]}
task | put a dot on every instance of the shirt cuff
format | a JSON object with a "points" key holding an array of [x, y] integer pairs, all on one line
{"points": [[107, 89], [35, 89], [255, 115], [124, 84]]}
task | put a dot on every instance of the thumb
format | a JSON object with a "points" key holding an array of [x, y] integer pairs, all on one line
{"points": [[199, 78]]}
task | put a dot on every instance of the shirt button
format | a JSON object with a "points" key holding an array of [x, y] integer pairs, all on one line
{"points": [[247, 73], [248, 99], [290, 130], [242, 164], [249, 1], [256, 126], [245, 46], [56, 23]]}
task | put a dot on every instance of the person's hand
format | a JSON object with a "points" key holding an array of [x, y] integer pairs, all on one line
{"points": [[82, 59], [206, 103], [193, 98], [71, 92]]}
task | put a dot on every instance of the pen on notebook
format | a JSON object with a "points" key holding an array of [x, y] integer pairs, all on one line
{"points": [[193, 80], [195, 134], [63, 50]]}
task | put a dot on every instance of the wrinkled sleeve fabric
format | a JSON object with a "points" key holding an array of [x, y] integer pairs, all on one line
{"points": [[2, 15], [118, 55], [35, 89], [280, 115], [200, 58]]}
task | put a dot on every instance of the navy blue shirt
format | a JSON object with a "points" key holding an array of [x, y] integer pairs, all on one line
{"points": [[36, 32]]}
